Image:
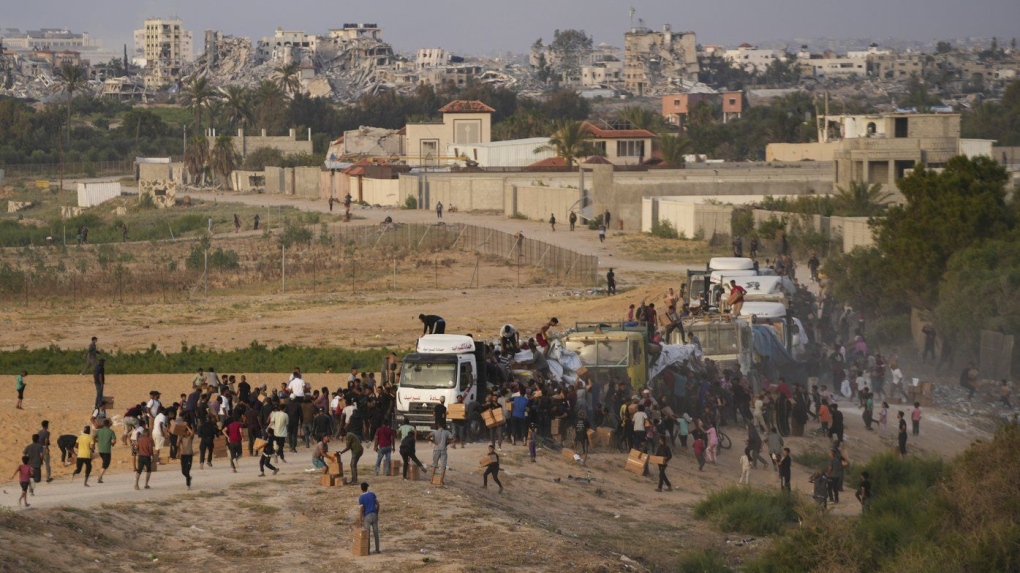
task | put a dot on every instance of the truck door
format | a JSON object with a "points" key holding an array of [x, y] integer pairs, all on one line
{"points": [[466, 381]]}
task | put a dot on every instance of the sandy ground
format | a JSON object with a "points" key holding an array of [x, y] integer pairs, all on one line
{"points": [[290, 523]]}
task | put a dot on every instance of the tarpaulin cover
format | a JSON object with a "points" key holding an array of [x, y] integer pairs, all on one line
{"points": [[779, 361], [673, 354]]}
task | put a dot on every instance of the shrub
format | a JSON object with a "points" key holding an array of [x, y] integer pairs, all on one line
{"points": [[889, 330], [410, 202], [749, 511], [702, 561], [294, 233], [664, 230]]}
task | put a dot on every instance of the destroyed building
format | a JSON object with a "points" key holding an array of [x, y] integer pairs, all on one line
{"points": [[166, 47], [653, 61]]}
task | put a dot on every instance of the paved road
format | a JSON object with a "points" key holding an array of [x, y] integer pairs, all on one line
{"points": [[583, 240]]}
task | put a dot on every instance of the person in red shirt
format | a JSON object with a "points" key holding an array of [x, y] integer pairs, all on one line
{"points": [[146, 447], [234, 435], [736, 300], [383, 447], [24, 475]]}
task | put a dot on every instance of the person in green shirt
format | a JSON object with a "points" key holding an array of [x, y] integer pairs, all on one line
{"points": [[354, 446], [19, 385], [106, 438]]}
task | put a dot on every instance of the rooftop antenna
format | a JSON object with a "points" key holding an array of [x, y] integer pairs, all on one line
{"points": [[632, 12]]}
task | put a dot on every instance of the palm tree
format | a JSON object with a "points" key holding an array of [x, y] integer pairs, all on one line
{"points": [[641, 118], [673, 148], [288, 79], [570, 142], [269, 105], [223, 158], [237, 105], [198, 94], [861, 199], [195, 158], [73, 78]]}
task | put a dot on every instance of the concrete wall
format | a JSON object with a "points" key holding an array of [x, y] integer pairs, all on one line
{"points": [[856, 233], [469, 191], [540, 202], [287, 144], [305, 182], [241, 180], [385, 192], [161, 171], [689, 219], [92, 194], [275, 182], [791, 152]]}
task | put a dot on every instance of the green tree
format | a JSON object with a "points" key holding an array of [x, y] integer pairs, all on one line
{"points": [[641, 118], [860, 199], [673, 148], [237, 105], [270, 107], [978, 292], [197, 94], [524, 123], [944, 213], [288, 78], [570, 142], [943, 47], [569, 47], [223, 158], [73, 78], [196, 157], [262, 157]]}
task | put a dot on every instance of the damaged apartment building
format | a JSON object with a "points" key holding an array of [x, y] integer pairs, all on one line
{"points": [[655, 61]]}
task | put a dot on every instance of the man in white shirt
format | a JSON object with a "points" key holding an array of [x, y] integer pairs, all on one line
{"points": [[153, 405], [348, 412], [897, 382], [159, 426], [278, 422], [639, 426], [297, 387]]}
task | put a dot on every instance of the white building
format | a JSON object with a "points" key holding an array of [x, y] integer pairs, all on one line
{"points": [[166, 46], [351, 32], [604, 73], [432, 58], [873, 50], [752, 59], [510, 153], [286, 46]]}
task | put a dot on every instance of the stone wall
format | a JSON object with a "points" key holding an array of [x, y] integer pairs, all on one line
{"points": [[539, 203], [305, 182], [791, 152], [287, 144], [689, 219]]}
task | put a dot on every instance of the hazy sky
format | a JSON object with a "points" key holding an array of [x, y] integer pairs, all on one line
{"points": [[482, 26]]}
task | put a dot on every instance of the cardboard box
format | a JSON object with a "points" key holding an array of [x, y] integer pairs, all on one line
{"points": [[437, 476], [360, 547], [493, 418], [413, 473], [603, 437], [334, 469], [581, 371], [260, 444], [636, 462], [486, 460], [457, 412], [567, 454], [108, 400], [656, 460], [178, 428], [591, 436], [326, 480], [394, 468]]}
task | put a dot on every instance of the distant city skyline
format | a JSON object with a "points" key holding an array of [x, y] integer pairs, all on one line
{"points": [[485, 28]]}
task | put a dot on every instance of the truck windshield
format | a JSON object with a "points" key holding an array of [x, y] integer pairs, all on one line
{"points": [[600, 352], [716, 341], [424, 375]]}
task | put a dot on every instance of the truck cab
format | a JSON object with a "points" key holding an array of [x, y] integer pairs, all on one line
{"points": [[700, 282], [443, 365], [771, 314], [611, 352], [725, 341]]}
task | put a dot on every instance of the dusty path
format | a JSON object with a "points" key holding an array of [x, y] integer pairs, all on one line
{"points": [[582, 240]]}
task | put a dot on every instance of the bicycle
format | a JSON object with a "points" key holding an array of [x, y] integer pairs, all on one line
{"points": [[724, 440]]}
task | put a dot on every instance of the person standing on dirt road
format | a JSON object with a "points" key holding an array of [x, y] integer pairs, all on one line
{"points": [[85, 445], [439, 209], [146, 449], [572, 219], [91, 358], [19, 385], [441, 437], [368, 514], [666, 454], [257, 219], [99, 379], [408, 440], [492, 469], [44, 439], [353, 443], [611, 282], [186, 451], [552, 221], [105, 440]]}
